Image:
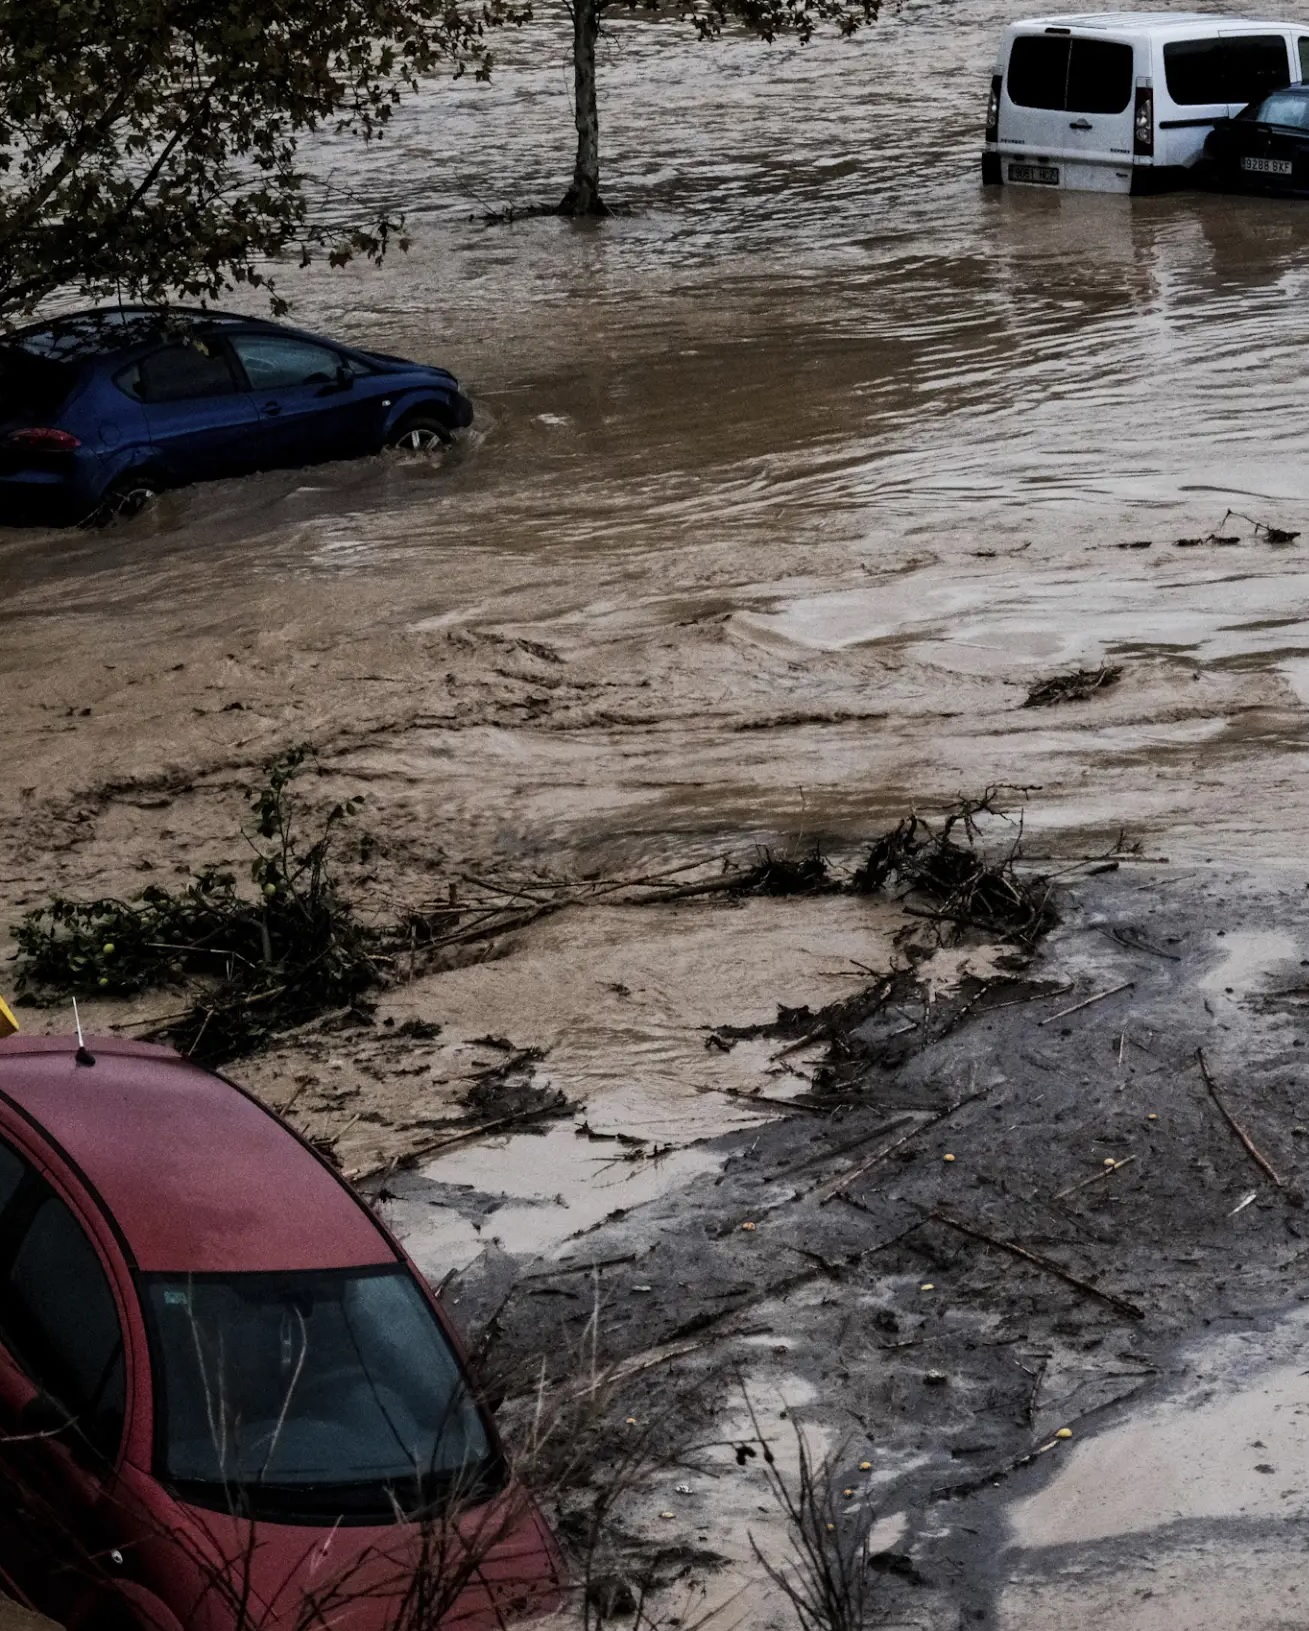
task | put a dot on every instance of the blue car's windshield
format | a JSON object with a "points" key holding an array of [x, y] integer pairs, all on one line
{"points": [[334, 1390], [1285, 108]]}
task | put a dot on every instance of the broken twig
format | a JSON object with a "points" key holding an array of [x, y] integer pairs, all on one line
{"points": [[838, 1186], [1251, 1148], [1083, 1183], [1078, 1006], [1119, 1304]]}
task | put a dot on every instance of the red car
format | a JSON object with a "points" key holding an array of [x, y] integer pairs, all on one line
{"points": [[227, 1399]]}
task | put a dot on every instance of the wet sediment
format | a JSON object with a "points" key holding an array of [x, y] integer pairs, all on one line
{"points": [[1012, 1231]]}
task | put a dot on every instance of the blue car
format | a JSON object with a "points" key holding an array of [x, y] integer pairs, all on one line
{"points": [[100, 410]]}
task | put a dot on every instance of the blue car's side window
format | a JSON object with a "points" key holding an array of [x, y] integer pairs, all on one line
{"points": [[273, 363], [179, 373]]}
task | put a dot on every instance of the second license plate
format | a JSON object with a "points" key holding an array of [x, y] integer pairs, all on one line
{"points": [[1267, 167], [1046, 175]]}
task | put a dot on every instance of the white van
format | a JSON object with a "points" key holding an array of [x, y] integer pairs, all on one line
{"points": [[1122, 101]]}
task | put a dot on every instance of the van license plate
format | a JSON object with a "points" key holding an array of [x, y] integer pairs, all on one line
{"points": [[1046, 174], [1267, 167]]}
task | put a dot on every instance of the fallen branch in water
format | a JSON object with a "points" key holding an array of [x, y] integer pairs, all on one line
{"points": [[424, 1152]]}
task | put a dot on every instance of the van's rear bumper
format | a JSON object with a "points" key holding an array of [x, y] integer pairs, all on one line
{"points": [[1079, 175]]}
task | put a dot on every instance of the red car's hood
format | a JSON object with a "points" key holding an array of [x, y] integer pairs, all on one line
{"points": [[496, 1564]]}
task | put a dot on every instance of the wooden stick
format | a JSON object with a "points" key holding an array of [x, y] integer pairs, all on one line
{"points": [[838, 1186], [424, 1152], [1095, 1177], [882, 1128], [1078, 1006], [1120, 1305], [1261, 1161]]}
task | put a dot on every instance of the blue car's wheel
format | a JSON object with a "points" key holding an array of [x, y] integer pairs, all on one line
{"points": [[124, 498], [420, 433]]}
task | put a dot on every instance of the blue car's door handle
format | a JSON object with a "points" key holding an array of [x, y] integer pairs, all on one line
{"points": [[272, 407]]}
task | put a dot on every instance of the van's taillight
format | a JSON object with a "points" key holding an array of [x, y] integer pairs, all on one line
{"points": [[993, 111], [43, 439], [1143, 123]]}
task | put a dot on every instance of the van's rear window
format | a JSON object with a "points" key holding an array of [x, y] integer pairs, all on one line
{"points": [[31, 387], [1240, 68], [1070, 76]]}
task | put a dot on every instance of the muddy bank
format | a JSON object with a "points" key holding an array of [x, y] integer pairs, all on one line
{"points": [[836, 1287]]}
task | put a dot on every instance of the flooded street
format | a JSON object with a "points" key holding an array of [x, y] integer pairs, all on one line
{"points": [[820, 437], [787, 483]]}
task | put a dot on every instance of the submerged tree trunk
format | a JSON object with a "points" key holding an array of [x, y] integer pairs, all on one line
{"points": [[583, 197]]}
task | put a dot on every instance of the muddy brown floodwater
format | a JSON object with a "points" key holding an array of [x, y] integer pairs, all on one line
{"points": [[787, 483]]}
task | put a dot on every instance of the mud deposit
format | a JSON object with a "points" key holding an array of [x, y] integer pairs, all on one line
{"points": [[790, 485]]}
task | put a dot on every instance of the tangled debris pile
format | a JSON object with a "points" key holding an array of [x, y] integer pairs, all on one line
{"points": [[956, 884], [1075, 687]]}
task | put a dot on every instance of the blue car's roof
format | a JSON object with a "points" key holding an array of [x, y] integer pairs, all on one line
{"points": [[77, 336]]}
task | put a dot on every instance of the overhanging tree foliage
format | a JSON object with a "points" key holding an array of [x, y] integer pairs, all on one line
{"points": [[767, 19], [153, 147]]}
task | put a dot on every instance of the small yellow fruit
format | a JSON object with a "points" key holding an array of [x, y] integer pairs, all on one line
{"points": [[865, 1466], [1109, 1161], [104, 979], [830, 1527], [1152, 1116], [665, 1514], [949, 1158], [927, 1286], [109, 948], [1064, 1432], [270, 889], [747, 1225], [631, 1421], [847, 1493]]}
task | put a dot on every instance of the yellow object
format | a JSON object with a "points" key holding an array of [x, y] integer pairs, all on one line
{"points": [[864, 1466], [949, 1158], [8, 1024], [1064, 1432], [927, 1286], [747, 1226]]}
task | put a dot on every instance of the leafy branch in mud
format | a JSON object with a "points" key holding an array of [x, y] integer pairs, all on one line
{"points": [[266, 958]]}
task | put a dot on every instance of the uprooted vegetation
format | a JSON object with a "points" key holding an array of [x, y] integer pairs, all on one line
{"points": [[943, 872], [953, 888], [287, 946], [1075, 687], [266, 958]]}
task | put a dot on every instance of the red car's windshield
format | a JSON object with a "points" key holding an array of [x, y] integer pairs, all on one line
{"points": [[331, 1393]]}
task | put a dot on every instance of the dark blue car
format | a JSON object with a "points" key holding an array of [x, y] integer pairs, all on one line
{"points": [[101, 410], [1265, 149]]}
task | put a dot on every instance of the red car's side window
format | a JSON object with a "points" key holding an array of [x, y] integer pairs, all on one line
{"points": [[58, 1317], [13, 1169]]}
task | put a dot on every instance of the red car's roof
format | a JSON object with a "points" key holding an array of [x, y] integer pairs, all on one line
{"points": [[196, 1176]]}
